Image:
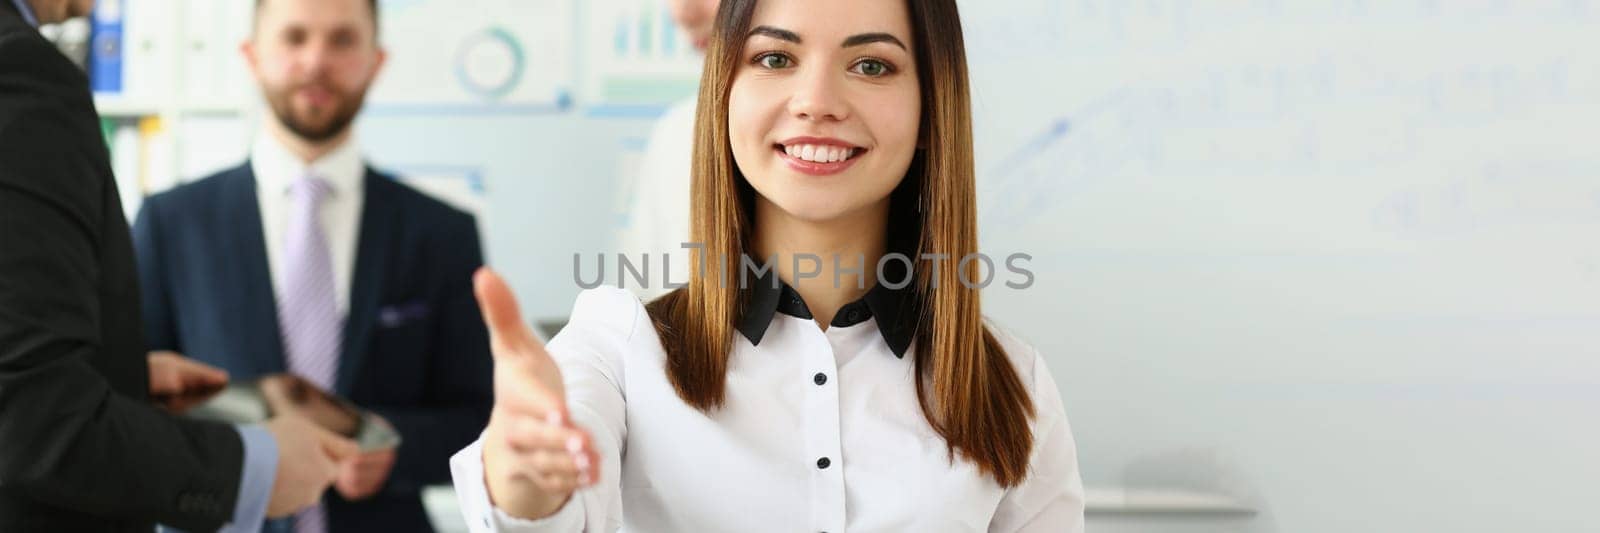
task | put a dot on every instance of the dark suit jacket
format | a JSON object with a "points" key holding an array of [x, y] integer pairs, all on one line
{"points": [[415, 347], [81, 449]]}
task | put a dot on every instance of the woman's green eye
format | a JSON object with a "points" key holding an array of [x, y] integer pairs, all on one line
{"points": [[872, 68], [773, 61]]}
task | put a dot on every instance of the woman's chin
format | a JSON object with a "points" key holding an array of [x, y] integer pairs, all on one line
{"points": [[814, 209]]}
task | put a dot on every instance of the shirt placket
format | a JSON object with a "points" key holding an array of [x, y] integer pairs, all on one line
{"points": [[822, 434]]}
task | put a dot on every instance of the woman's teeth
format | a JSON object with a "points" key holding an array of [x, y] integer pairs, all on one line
{"points": [[817, 153]]}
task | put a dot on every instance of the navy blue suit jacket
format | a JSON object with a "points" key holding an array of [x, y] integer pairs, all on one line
{"points": [[415, 347]]}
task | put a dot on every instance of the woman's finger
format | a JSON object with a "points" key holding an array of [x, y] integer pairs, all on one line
{"points": [[528, 434], [588, 462], [552, 463], [555, 472], [503, 316]]}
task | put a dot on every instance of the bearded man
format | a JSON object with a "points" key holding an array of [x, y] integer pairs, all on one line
{"points": [[307, 261]]}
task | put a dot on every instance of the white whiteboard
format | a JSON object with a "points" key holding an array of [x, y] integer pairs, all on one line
{"points": [[1338, 258]]}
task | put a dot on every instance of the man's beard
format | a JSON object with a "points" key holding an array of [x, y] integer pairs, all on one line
{"points": [[340, 113]]}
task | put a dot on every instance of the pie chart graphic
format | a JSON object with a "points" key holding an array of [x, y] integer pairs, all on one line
{"points": [[490, 64]]}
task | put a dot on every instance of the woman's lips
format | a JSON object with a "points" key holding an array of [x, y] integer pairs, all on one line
{"points": [[811, 159]]}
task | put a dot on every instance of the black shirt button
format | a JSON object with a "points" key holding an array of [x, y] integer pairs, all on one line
{"points": [[823, 463], [820, 378]]}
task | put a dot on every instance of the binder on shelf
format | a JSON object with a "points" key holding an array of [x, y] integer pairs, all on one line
{"points": [[200, 48], [106, 48], [125, 148], [235, 23], [214, 73], [156, 156], [108, 129], [210, 143], [148, 56]]}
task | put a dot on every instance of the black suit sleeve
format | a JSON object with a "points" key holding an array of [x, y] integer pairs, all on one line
{"points": [[67, 439], [460, 380], [160, 331]]}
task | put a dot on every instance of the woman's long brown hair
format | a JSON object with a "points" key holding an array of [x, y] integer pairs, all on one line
{"points": [[969, 391]]}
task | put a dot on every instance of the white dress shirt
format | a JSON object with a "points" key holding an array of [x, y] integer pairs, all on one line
{"points": [[658, 212], [821, 431], [276, 169]]}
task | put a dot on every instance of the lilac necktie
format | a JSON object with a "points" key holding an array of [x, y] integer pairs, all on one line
{"points": [[308, 311]]}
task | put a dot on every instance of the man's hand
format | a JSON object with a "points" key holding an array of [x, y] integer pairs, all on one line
{"points": [[533, 456], [178, 383], [308, 462], [362, 476]]}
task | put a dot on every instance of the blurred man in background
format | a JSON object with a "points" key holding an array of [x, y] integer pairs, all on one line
{"points": [[81, 446], [659, 211], [305, 260]]}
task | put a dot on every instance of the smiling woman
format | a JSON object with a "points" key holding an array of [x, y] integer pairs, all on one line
{"points": [[825, 127], [846, 94]]}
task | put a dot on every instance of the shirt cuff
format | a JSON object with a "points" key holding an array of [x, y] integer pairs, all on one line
{"points": [[472, 491], [255, 482]]}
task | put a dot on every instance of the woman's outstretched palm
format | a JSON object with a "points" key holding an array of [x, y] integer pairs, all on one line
{"points": [[533, 456]]}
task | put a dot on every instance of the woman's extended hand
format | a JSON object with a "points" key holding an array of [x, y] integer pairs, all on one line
{"points": [[534, 458]]}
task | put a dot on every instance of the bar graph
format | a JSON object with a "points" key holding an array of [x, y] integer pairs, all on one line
{"points": [[638, 61]]}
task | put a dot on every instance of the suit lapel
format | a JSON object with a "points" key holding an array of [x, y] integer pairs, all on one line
{"points": [[379, 221], [262, 340]]}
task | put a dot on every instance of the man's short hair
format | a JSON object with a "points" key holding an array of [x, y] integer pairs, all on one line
{"points": [[373, 4]]}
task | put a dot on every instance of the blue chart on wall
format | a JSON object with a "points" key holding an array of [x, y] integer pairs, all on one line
{"points": [[478, 56], [636, 61], [491, 63], [519, 56]]}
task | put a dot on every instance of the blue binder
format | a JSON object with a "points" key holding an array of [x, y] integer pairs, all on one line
{"points": [[106, 46]]}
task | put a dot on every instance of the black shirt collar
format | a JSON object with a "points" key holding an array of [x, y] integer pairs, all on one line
{"points": [[895, 309]]}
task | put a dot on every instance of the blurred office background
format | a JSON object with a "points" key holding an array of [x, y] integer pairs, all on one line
{"points": [[1300, 265]]}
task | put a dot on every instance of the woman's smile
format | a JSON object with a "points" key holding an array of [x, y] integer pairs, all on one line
{"points": [[818, 156]]}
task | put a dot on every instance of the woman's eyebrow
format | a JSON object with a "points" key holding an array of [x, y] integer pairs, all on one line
{"points": [[776, 33], [868, 38], [854, 40]]}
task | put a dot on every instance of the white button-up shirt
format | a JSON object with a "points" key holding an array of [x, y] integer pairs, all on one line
{"points": [[276, 169], [821, 431]]}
